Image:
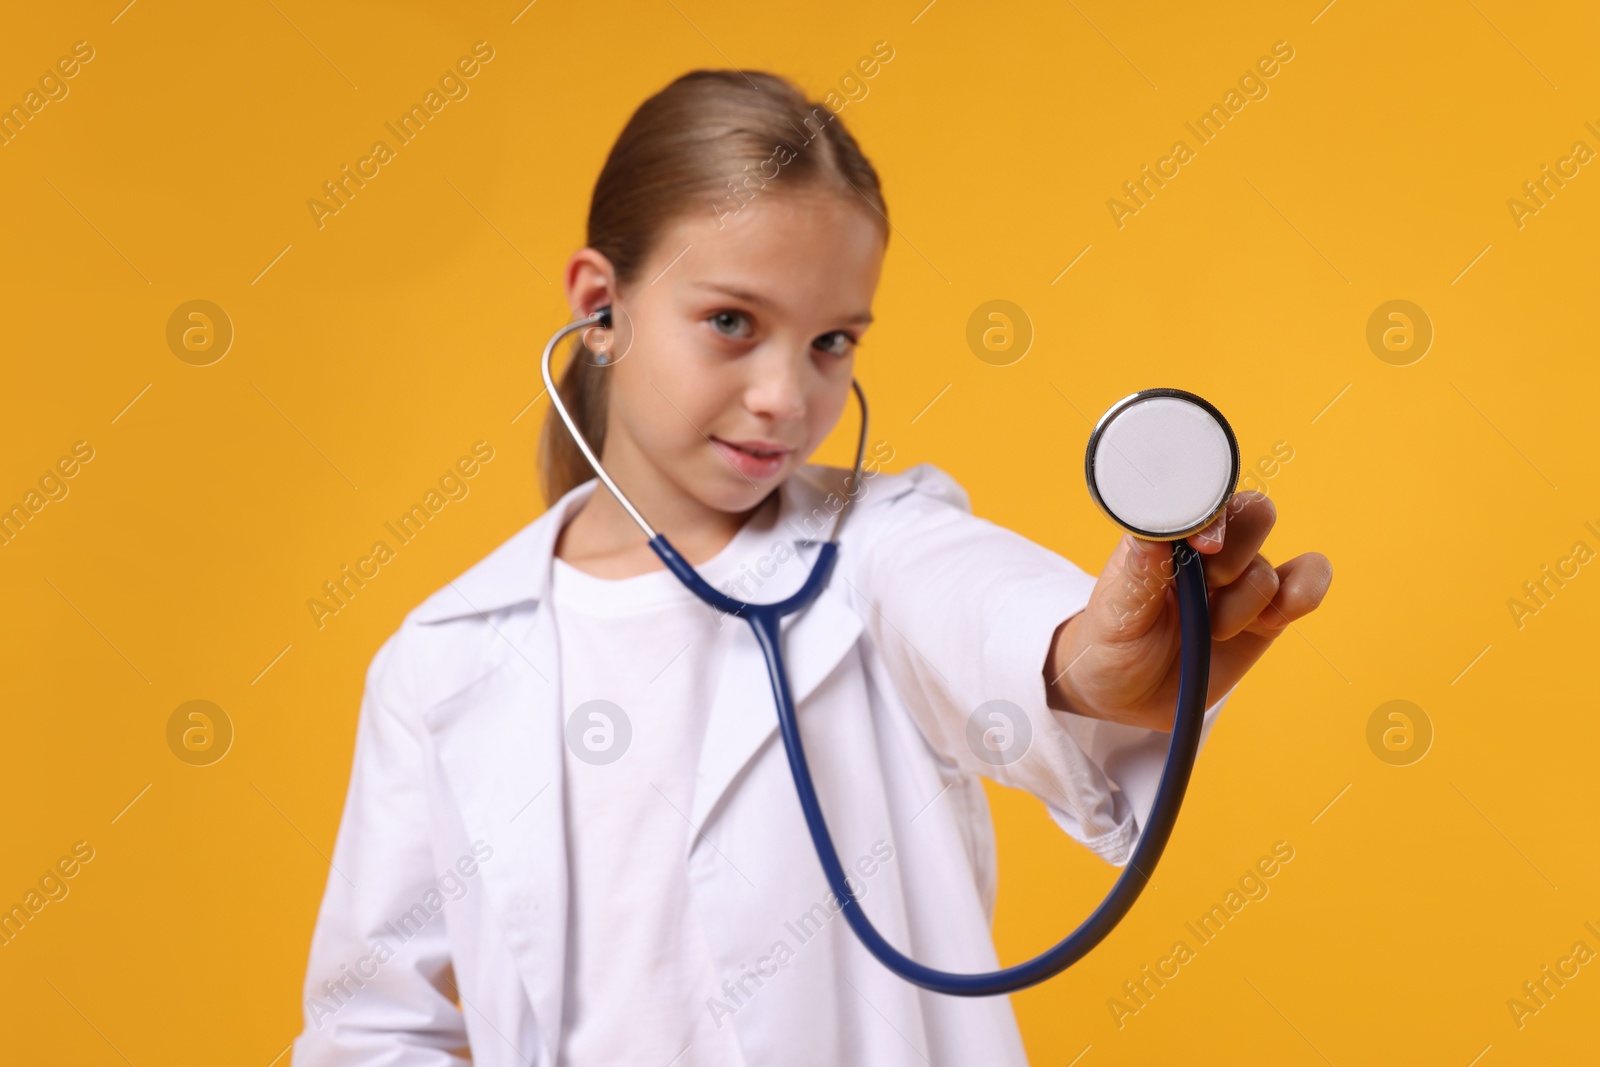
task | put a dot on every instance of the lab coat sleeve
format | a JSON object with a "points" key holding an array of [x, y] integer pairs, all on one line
{"points": [[380, 987], [963, 612]]}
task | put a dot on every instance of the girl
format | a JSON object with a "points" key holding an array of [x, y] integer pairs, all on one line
{"points": [[571, 836]]}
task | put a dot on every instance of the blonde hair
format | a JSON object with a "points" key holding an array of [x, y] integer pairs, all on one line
{"points": [[705, 142]]}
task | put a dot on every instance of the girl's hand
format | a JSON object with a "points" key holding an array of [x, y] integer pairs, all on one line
{"points": [[1118, 658]]}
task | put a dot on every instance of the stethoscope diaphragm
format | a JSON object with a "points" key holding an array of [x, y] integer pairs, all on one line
{"points": [[1162, 463]]}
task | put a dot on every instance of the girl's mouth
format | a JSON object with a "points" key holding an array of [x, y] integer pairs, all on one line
{"points": [[753, 459]]}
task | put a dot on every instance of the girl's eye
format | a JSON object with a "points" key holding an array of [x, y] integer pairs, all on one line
{"points": [[726, 322], [837, 343]]}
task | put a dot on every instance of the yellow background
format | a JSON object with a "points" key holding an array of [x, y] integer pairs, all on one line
{"points": [[375, 350]]}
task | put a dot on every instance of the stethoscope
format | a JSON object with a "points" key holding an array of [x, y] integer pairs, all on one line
{"points": [[1162, 464]]}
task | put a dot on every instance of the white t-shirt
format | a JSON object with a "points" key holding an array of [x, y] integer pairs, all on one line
{"points": [[639, 659]]}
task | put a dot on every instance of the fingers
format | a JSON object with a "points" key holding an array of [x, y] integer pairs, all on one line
{"points": [[1302, 583], [1209, 540], [1232, 542], [1131, 594], [1247, 593], [1231, 659], [1235, 606]]}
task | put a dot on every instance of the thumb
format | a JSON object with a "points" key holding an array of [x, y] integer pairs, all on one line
{"points": [[1135, 587]]}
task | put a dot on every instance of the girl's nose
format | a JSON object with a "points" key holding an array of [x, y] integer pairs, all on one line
{"points": [[778, 388]]}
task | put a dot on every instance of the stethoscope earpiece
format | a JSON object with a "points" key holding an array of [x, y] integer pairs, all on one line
{"points": [[1162, 464]]}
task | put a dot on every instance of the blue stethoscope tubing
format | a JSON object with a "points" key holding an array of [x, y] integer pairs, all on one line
{"points": [[765, 619]]}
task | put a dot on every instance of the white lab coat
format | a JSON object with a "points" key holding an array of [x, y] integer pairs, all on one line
{"points": [[931, 612]]}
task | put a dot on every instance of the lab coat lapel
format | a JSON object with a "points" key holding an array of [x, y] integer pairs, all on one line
{"points": [[499, 740], [500, 743], [744, 714], [499, 734]]}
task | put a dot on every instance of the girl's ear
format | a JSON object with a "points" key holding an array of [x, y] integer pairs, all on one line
{"points": [[591, 282]]}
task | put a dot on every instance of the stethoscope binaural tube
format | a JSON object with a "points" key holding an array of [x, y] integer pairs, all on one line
{"points": [[764, 620]]}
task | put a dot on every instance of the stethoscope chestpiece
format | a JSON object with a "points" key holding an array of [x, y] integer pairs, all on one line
{"points": [[1162, 464]]}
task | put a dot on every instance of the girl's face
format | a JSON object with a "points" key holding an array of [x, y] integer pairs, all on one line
{"points": [[736, 342]]}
